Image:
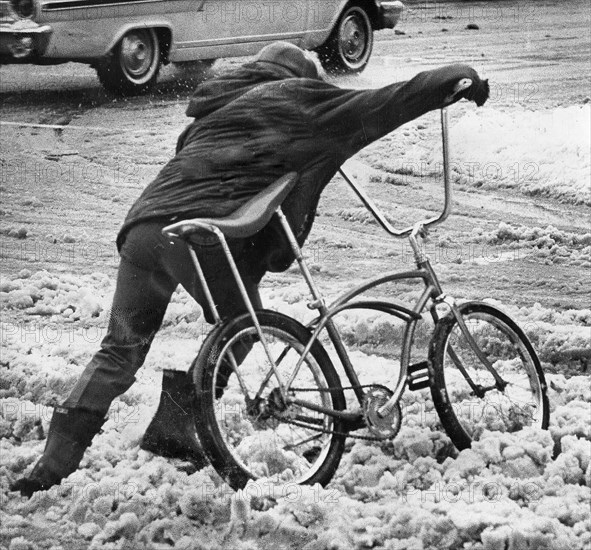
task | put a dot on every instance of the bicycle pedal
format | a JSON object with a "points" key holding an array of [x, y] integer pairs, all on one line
{"points": [[418, 376]]}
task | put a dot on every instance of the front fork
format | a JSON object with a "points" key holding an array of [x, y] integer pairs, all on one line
{"points": [[438, 297], [478, 390]]}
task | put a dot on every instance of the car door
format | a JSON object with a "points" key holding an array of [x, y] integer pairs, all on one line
{"points": [[238, 27]]}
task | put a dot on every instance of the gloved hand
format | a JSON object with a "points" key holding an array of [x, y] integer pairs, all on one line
{"points": [[441, 87], [473, 89], [478, 91]]}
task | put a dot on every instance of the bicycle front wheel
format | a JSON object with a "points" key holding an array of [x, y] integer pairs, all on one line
{"points": [[490, 379], [247, 427]]}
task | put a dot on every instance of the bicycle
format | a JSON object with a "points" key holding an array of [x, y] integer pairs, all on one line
{"points": [[270, 402]]}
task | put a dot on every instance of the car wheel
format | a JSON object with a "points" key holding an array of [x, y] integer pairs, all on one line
{"points": [[133, 65], [349, 46]]}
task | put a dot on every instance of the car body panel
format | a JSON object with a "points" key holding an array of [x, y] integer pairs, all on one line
{"points": [[87, 30]]}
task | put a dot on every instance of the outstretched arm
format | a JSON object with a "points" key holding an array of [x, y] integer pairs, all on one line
{"points": [[361, 117]]}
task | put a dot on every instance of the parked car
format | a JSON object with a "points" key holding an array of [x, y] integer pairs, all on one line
{"points": [[126, 41]]}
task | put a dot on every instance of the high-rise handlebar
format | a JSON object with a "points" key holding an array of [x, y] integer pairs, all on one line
{"points": [[447, 206]]}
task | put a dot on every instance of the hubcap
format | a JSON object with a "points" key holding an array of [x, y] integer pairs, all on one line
{"points": [[137, 53], [353, 38]]}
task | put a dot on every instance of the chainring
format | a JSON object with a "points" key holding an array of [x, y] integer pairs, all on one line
{"points": [[384, 427]]}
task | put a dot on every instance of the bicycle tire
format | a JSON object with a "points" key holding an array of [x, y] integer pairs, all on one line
{"points": [[240, 441], [508, 349]]}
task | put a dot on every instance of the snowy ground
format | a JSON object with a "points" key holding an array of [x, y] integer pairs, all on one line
{"points": [[553, 147], [509, 489], [519, 236]]}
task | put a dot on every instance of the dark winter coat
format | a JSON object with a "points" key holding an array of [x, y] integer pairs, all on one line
{"points": [[295, 125], [213, 94]]}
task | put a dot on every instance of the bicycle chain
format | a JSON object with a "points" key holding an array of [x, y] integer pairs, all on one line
{"points": [[330, 432], [333, 432], [336, 388]]}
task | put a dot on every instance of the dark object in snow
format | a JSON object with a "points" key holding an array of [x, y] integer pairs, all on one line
{"points": [[70, 433], [16, 233], [472, 27], [58, 156], [444, 30], [399, 32], [172, 432]]}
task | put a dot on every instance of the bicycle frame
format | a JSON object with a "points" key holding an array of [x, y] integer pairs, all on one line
{"points": [[424, 271], [410, 316], [433, 292]]}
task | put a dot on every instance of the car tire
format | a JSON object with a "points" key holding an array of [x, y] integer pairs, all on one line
{"points": [[349, 46], [133, 65]]}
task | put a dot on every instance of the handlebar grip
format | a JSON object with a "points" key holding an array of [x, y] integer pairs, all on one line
{"points": [[460, 86]]}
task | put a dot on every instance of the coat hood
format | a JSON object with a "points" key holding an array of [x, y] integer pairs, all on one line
{"points": [[290, 57], [277, 61]]}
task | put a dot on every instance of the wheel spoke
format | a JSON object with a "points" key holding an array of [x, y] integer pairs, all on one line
{"points": [[269, 374], [265, 435], [490, 373], [458, 363]]}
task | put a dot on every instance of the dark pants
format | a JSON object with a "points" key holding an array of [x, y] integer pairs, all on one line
{"points": [[151, 268]]}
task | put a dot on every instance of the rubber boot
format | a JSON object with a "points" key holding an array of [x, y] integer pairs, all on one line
{"points": [[172, 432], [70, 433]]}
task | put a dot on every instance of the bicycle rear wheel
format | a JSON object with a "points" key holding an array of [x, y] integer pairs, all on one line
{"points": [[470, 397], [245, 426]]}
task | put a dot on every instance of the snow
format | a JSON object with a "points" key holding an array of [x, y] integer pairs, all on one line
{"points": [[530, 490], [542, 152], [547, 245], [526, 490]]}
